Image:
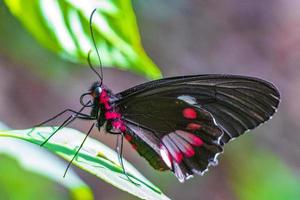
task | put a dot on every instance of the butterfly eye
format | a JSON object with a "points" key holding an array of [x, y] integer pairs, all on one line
{"points": [[97, 91]]}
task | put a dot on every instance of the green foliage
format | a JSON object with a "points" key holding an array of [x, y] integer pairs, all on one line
{"points": [[63, 27], [18, 183], [22, 161], [258, 174], [94, 157]]}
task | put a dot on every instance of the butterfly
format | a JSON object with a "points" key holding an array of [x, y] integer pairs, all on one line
{"points": [[180, 124]]}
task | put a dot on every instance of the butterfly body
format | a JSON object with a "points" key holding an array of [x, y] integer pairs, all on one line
{"points": [[182, 123], [104, 111]]}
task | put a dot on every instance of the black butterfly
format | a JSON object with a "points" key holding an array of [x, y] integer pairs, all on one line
{"points": [[181, 123]]}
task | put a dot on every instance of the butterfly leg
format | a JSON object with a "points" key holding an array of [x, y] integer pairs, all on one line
{"points": [[70, 119], [61, 113], [120, 157], [78, 113], [81, 145], [110, 129]]}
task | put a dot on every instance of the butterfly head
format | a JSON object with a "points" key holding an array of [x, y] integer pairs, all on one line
{"points": [[96, 90]]}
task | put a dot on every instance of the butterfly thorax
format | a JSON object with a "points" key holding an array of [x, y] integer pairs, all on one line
{"points": [[106, 112], [111, 115]]}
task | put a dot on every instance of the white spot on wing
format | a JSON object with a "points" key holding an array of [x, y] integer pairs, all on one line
{"points": [[165, 156], [188, 99]]}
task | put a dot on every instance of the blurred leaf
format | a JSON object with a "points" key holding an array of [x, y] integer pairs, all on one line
{"points": [[63, 27], [39, 161], [19, 183], [94, 157], [257, 174]]}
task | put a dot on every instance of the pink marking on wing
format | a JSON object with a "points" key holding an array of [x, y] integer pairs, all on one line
{"points": [[197, 141], [189, 151], [112, 115], [172, 148], [165, 155], [178, 156], [193, 126], [190, 137], [189, 113], [183, 145]]}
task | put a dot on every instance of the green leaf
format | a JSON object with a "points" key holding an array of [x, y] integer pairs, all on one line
{"points": [[19, 183], [63, 27], [94, 157], [43, 163], [258, 174]]}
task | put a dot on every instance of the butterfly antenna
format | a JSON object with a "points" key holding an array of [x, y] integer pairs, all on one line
{"points": [[81, 145], [120, 156], [94, 42], [92, 67]]}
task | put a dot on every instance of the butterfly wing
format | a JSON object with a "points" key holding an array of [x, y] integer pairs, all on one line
{"points": [[164, 115], [172, 135]]}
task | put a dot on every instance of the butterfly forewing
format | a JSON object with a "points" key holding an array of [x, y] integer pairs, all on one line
{"points": [[237, 103]]}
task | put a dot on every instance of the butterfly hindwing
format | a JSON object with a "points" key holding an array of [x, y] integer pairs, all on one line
{"points": [[182, 138], [146, 148]]}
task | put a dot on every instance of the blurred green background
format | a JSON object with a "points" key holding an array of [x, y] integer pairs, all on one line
{"points": [[255, 38]]}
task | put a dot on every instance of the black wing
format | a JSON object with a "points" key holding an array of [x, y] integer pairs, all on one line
{"points": [[172, 135], [222, 103]]}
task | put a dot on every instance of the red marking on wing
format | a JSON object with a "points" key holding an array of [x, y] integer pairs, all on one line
{"points": [[190, 137], [189, 152], [189, 113], [193, 126], [196, 140], [176, 154], [172, 148], [183, 145], [128, 137]]}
